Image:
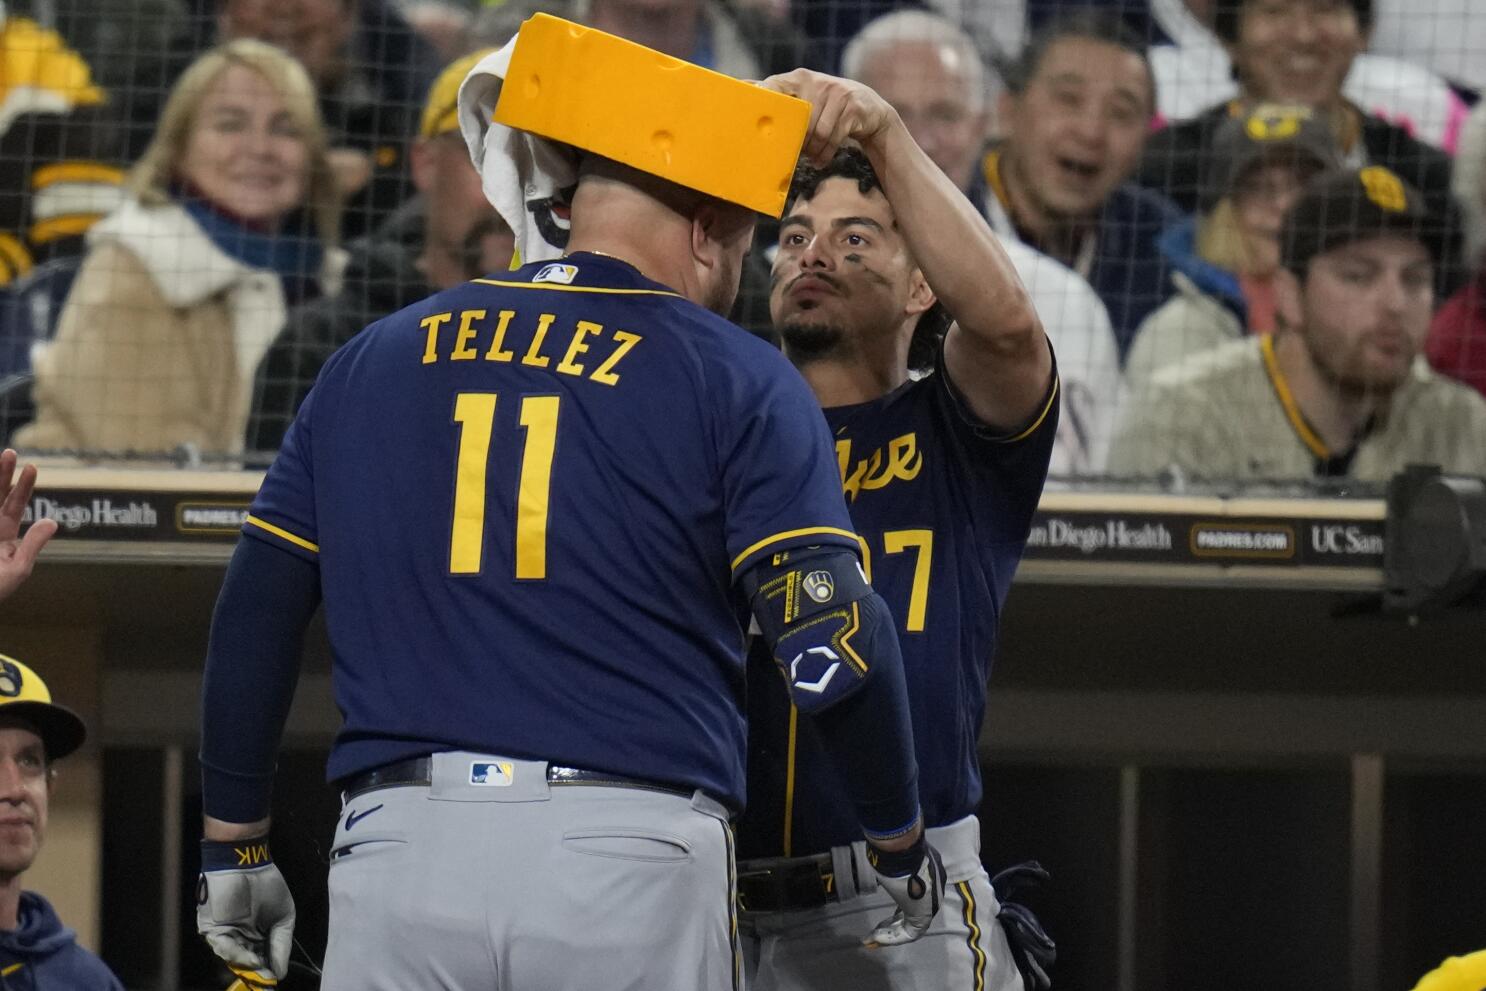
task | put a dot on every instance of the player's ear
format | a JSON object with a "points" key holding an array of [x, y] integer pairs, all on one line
{"points": [[716, 228], [704, 245], [920, 296]]}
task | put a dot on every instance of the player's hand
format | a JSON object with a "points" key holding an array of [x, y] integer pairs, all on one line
{"points": [[915, 880], [840, 110], [18, 556], [243, 907]]}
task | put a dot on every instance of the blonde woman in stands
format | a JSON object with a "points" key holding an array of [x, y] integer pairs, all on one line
{"points": [[231, 217]]}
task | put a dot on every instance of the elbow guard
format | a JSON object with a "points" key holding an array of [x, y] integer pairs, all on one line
{"points": [[825, 626]]}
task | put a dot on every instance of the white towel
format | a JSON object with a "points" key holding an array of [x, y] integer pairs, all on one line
{"points": [[529, 180]]}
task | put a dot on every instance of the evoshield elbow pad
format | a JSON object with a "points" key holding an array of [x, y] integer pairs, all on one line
{"points": [[823, 623]]}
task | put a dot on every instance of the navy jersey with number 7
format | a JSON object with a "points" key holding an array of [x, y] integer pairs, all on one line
{"points": [[529, 498], [943, 505]]}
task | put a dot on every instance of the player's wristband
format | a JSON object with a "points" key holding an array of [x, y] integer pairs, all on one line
{"points": [[239, 855], [897, 863]]}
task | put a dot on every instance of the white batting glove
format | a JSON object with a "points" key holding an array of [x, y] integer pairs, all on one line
{"points": [[243, 906], [915, 880]]}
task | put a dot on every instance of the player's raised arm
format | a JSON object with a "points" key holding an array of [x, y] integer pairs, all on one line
{"points": [[996, 353]]}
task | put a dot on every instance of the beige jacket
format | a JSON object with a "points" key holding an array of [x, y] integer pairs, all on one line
{"points": [[1219, 416], [1186, 325], [157, 344]]}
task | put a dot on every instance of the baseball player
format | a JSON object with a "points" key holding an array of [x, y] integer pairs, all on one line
{"points": [[539, 509], [36, 950], [942, 476], [18, 554]]}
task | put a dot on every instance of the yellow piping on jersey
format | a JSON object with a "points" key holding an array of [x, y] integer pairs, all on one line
{"points": [[727, 833], [1052, 398], [283, 534], [787, 535], [1287, 400], [851, 655], [974, 937], [561, 288], [789, 781]]}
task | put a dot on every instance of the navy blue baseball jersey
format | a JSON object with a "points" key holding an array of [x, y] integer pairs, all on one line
{"points": [[943, 507], [529, 498]]}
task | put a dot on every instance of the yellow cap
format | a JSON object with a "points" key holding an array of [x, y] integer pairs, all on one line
{"points": [[25, 696], [441, 112], [695, 127]]}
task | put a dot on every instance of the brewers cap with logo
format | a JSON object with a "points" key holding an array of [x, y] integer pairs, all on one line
{"points": [[24, 696], [1339, 208], [1270, 132]]}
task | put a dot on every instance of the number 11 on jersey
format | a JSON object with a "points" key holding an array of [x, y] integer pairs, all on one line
{"points": [[475, 414]]}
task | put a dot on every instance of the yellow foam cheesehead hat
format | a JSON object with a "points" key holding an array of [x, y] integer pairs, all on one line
{"points": [[692, 126], [24, 696]]}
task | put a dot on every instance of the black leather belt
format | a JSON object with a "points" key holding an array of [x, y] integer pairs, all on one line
{"points": [[419, 771], [786, 884]]}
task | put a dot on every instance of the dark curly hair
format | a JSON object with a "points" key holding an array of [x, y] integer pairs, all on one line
{"points": [[848, 163]]}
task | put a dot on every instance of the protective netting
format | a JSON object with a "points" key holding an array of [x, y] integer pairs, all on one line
{"points": [[1252, 229]]}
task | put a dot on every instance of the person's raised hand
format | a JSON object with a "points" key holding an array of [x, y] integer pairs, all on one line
{"points": [[841, 110], [18, 554]]}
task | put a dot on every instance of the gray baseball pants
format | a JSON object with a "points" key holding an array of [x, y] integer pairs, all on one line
{"points": [[493, 879], [820, 949]]}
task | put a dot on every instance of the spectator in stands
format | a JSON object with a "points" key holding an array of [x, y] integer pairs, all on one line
{"points": [[929, 70], [371, 71], [700, 31], [1075, 119], [231, 211], [445, 26], [57, 147], [1224, 262], [36, 950], [438, 239], [1193, 74], [1299, 51], [1457, 339], [1337, 390]]}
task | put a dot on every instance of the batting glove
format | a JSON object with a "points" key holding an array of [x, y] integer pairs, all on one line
{"points": [[243, 906], [915, 880]]}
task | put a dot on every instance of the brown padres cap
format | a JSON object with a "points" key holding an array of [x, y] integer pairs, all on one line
{"points": [[1340, 208]]}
